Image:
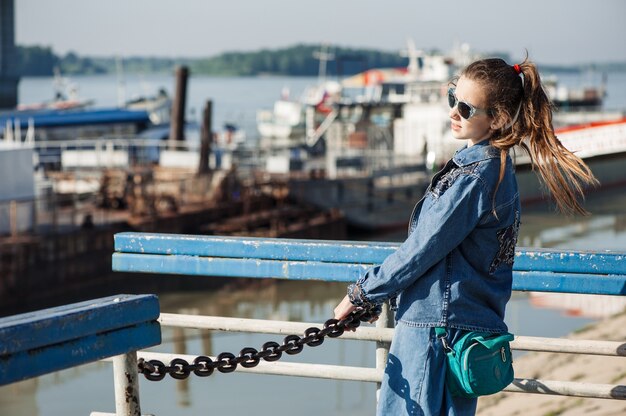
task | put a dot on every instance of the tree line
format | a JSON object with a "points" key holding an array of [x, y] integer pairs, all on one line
{"points": [[297, 60]]}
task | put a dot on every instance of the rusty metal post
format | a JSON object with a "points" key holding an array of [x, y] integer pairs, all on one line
{"points": [[206, 136], [125, 376], [370, 195], [177, 120], [74, 211], [13, 217], [33, 215], [55, 213]]}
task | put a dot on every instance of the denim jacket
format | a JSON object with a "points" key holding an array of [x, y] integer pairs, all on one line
{"points": [[455, 268]]}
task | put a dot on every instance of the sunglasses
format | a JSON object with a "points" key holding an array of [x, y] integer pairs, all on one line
{"points": [[466, 110]]}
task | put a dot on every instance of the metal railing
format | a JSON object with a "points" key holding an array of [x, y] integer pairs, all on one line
{"points": [[535, 270]]}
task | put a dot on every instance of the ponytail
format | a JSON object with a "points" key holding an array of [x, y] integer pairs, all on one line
{"points": [[520, 104]]}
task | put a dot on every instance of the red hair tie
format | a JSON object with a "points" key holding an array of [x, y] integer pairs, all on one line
{"points": [[517, 69]]}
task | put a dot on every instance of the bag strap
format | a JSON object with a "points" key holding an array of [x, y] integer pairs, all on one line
{"points": [[442, 334]]}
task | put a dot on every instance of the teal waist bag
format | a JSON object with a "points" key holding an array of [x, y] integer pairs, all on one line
{"points": [[479, 363]]}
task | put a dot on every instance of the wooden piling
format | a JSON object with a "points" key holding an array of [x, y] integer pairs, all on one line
{"points": [[205, 139], [177, 120], [13, 218]]}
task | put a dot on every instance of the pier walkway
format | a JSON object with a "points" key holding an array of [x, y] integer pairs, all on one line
{"points": [[204, 256]]}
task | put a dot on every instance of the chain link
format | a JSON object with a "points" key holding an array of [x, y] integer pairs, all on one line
{"points": [[226, 362]]}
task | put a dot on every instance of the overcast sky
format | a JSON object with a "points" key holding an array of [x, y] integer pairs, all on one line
{"points": [[553, 31]]}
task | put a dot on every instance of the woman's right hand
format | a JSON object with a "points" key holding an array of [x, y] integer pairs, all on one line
{"points": [[344, 308]]}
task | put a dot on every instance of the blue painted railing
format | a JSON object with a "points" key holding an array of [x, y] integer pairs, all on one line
{"points": [[534, 270], [54, 339]]}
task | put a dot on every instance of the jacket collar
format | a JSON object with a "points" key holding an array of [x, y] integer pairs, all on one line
{"points": [[480, 151]]}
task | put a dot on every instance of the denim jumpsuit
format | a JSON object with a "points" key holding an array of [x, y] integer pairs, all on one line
{"points": [[454, 271]]}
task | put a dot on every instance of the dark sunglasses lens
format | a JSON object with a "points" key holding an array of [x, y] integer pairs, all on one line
{"points": [[451, 99], [464, 110]]}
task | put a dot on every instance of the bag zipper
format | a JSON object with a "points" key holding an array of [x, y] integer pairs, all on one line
{"points": [[500, 351]]}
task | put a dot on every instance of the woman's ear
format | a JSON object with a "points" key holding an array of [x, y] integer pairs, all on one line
{"points": [[498, 122]]}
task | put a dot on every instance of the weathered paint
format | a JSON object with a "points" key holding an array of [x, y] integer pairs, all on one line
{"points": [[347, 251], [58, 338], [534, 270], [54, 325], [570, 261], [594, 284], [126, 384], [46, 359], [252, 247], [237, 267]]}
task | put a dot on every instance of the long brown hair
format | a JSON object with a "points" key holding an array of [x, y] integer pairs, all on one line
{"points": [[524, 111]]}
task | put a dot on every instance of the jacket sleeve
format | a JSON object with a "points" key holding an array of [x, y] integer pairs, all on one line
{"points": [[442, 225]]}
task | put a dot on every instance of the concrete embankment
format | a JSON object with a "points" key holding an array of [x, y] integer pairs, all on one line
{"points": [[566, 367]]}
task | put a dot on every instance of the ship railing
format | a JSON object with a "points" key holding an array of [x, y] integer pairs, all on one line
{"points": [[51, 213], [353, 162], [116, 151], [107, 151]]}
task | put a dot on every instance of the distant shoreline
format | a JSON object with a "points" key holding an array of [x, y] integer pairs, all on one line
{"points": [[297, 60], [544, 69]]}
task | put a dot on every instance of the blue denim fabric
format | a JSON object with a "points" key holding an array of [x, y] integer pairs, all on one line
{"points": [[415, 373], [455, 268]]}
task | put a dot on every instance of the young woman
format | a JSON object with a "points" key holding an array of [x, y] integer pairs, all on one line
{"points": [[455, 268]]}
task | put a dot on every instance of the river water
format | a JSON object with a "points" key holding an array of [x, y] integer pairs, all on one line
{"points": [[89, 388]]}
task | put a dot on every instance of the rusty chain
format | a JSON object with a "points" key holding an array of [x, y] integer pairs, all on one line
{"points": [[249, 357]]}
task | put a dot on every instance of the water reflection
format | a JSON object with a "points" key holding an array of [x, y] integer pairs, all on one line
{"points": [[180, 347], [25, 393], [260, 299], [605, 229]]}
